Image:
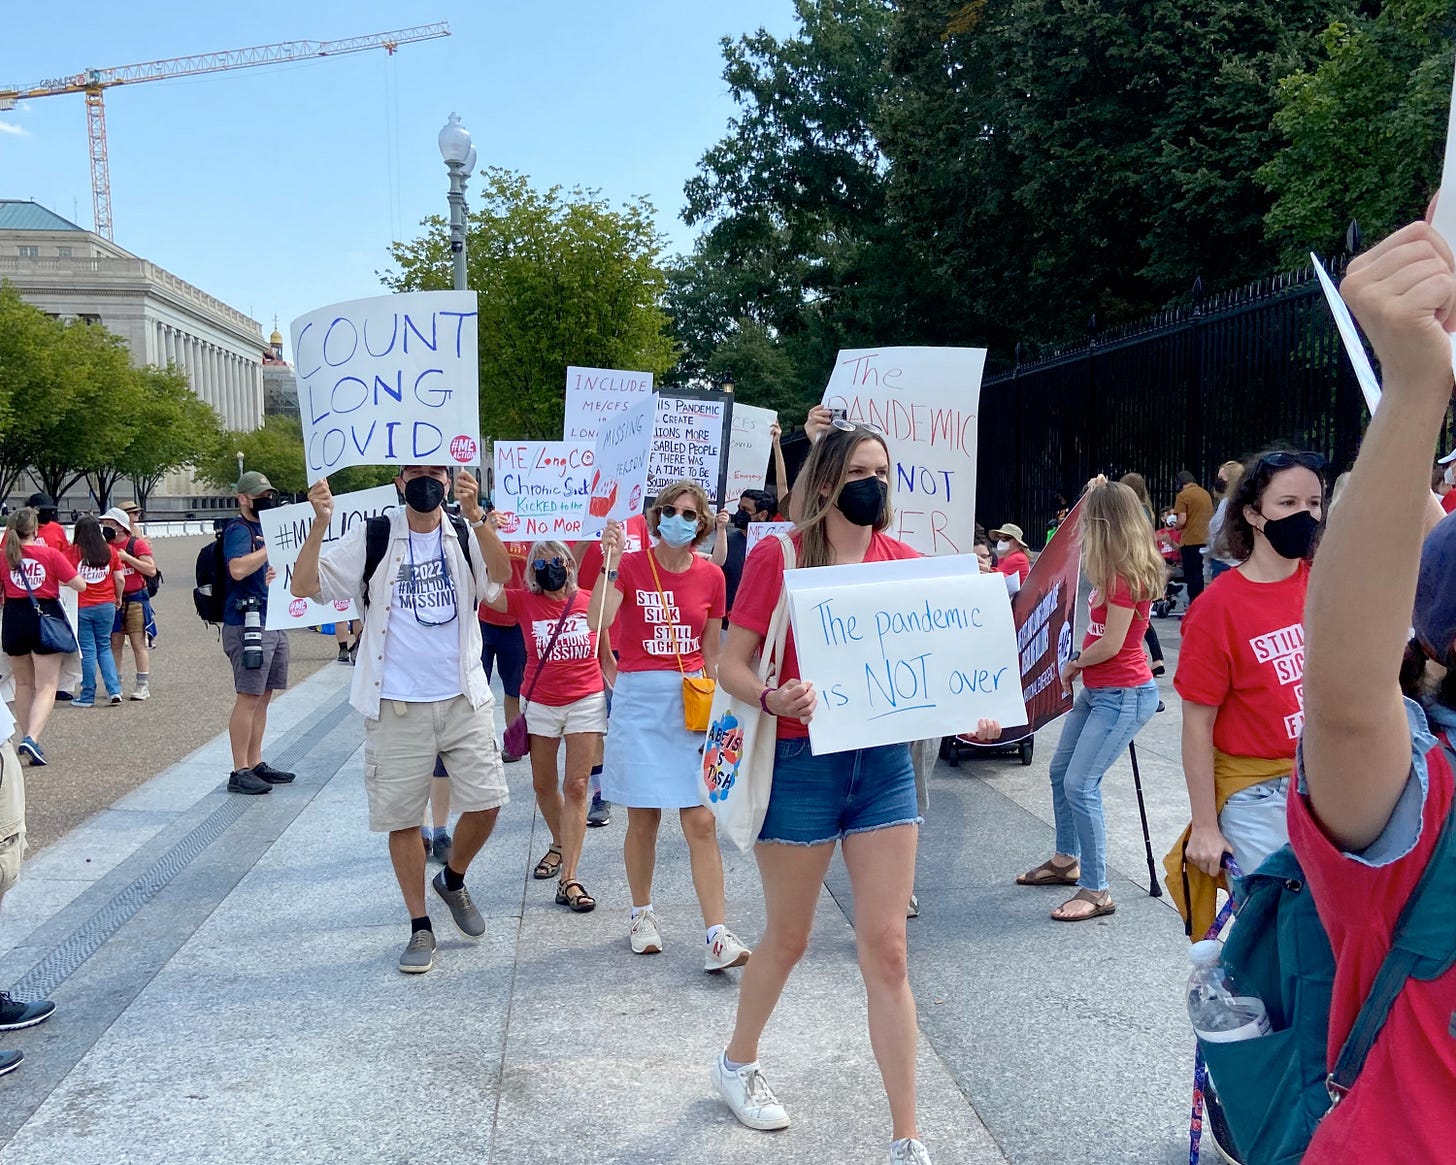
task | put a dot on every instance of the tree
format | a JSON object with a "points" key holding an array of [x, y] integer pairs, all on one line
{"points": [[562, 278], [276, 451], [1363, 128], [27, 342], [175, 429]]}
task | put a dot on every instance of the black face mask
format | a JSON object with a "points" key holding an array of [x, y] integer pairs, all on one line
{"points": [[863, 502], [1291, 537], [424, 494], [740, 519], [550, 577], [46, 516], [108, 533], [258, 505]]}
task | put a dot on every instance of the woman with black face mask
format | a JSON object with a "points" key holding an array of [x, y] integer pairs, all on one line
{"points": [[564, 698], [1241, 669]]}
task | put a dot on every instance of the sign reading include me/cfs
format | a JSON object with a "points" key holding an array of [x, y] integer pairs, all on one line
{"points": [[904, 650]]}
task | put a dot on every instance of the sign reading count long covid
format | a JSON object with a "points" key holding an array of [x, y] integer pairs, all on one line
{"points": [[905, 650], [926, 402], [389, 381]]}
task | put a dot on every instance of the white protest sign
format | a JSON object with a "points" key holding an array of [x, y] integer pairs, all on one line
{"points": [[1444, 220], [904, 650], [758, 531], [690, 440], [926, 400], [284, 530], [541, 489], [752, 446], [389, 381], [1345, 324], [594, 395], [619, 478]]}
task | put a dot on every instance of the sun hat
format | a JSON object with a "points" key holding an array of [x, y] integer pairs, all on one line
{"points": [[1012, 531]]}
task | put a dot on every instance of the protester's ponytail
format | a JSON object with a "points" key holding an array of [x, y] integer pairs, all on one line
{"points": [[22, 525]]}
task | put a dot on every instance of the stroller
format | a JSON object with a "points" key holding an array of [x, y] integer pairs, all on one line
{"points": [[1173, 588]]}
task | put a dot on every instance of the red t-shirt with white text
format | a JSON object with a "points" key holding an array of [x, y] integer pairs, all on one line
{"points": [[137, 548], [572, 673], [100, 580], [46, 569], [520, 553], [1129, 667], [645, 630], [1401, 1108], [758, 595], [1243, 653], [635, 536]]}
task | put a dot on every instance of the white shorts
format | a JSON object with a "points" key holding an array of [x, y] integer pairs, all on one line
{"points": [[589, 714], [399, 760], [1255, 823]]}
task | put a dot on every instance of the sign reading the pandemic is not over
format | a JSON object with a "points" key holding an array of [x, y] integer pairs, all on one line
{"points": [[391, 380]]}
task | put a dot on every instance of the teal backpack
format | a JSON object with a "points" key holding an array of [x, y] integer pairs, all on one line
{"points": [[1275, 1089]]}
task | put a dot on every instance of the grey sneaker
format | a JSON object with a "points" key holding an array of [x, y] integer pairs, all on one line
{"points": [[142, 692], [462, 909], [909, 1152], [600, 812], [419, 955]]}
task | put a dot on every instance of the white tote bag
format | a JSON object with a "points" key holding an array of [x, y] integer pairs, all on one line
{"points": [[738, 752]]}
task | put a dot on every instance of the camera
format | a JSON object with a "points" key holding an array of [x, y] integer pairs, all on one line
{"points": [[252, 610]]}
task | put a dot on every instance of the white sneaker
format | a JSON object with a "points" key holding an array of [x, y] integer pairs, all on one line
{"points": [[726, 951], [646, 939], [142, 692], [909, 1152], [747, 1093]]}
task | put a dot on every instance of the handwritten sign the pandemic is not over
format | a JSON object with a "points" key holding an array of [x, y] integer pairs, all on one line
{"points": [[284, 530], [905, 650], [690, 439], [389, 381], [926, 400], [542, 488]]}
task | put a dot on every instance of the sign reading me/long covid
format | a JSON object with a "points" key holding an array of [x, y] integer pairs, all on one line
{"points": [[391, 380]]}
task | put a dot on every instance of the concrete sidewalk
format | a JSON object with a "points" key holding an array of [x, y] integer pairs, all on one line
{"points": [[225, 970]]}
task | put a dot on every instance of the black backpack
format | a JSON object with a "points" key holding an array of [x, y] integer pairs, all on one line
{"points": [[154, 584], [376, 542], [209, 596]]}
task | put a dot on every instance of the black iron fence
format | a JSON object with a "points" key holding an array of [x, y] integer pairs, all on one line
{"points": [[1193, 387]]}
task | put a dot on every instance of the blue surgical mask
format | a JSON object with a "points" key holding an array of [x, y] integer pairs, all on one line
{"points": [[677, 531]]}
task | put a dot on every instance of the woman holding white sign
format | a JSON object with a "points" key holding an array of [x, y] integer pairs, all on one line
{"points": [[1119, 694], [665, 607], [864, 799]]}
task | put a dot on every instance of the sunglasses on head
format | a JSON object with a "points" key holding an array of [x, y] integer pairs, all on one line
{"points": [[543, 563], [1283, 459], [672, 511], [846, 426]]}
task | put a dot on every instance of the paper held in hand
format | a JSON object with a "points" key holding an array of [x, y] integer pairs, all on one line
{"points": [[905, 650]]}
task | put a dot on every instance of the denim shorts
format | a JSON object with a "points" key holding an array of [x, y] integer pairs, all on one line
{"points": [[821, 799]]}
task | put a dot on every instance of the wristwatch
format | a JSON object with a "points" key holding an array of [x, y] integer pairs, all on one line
{"points": [[612, 575], [478, 523]]}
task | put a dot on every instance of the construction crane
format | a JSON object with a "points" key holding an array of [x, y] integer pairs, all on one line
{"points": [[94, 83]]}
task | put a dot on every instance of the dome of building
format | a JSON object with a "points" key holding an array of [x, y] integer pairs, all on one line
{"points": [[276, 338]]}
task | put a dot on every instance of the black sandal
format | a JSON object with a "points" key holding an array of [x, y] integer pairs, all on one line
{"points": [[581, 902], [546, 868]]}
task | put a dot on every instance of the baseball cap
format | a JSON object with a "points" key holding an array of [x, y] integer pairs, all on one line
{"points": [[1434, 618], [1450, 457], [253, 484], [119, 516], [40, 501]]}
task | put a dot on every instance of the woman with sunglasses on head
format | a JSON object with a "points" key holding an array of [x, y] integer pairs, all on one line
{"points": [[563, 699], [664, 605], [1241, 666], [1119, 694], [864, 800]]}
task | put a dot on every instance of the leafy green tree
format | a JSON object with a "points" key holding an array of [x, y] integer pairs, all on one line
{"points": [[276, 451], [1363, 128], [174, 429], [28, 339], [562, 278]]}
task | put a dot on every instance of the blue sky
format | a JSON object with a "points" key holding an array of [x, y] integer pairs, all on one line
{"points": [[279, 188]]}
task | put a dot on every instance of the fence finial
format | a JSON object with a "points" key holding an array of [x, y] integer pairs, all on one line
{"points": [[1352, 236]]}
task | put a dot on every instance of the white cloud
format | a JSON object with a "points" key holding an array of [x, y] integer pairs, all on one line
{"points": [[11, 128]]}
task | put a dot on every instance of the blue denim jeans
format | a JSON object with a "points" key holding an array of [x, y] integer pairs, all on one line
{"points": [[93, 630], [1100, 725]]}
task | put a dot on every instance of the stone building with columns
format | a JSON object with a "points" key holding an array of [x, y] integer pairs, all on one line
{"points": [[71, 273]]}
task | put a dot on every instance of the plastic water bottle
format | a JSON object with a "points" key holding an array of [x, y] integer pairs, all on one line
{"points": [[1220, 1012]]}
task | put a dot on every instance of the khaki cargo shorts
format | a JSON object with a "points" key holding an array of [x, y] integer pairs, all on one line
{"points": [[399, 760], [12, 816]]}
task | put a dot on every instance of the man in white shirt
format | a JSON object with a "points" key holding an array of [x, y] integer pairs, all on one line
{"points": [[418, 679]]}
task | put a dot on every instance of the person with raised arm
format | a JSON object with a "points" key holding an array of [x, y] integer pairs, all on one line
{"points": [[1373, 783]]}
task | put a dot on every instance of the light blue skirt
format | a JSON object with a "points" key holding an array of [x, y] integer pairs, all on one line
{"points": [[650, 760]]}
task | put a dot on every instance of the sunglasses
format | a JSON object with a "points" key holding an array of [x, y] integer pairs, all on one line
{"points": [[845, 426], [543, 563], [673, 511], [1282, 459]]}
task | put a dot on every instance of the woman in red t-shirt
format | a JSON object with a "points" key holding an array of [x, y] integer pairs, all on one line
{"points": [[1241, 665], [100, 568], [563, 699], [1119, 694], [34, 575], [665, 606]]}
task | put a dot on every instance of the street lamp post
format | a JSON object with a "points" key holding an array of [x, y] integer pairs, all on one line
{"points": [[459, 155], [240, 465]]}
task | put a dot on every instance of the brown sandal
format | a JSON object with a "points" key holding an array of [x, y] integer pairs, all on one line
{"points": [[1051, 874], [580, 901], [1101, 904], [550, 865]]}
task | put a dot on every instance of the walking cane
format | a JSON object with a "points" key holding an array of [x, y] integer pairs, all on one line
{"points": [[1154, 889]]}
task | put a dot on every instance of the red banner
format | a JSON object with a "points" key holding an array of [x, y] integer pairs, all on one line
{"points": [[1044, 613]]}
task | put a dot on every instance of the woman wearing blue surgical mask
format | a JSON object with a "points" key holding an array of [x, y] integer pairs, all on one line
{"points": [[665, 607]]}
